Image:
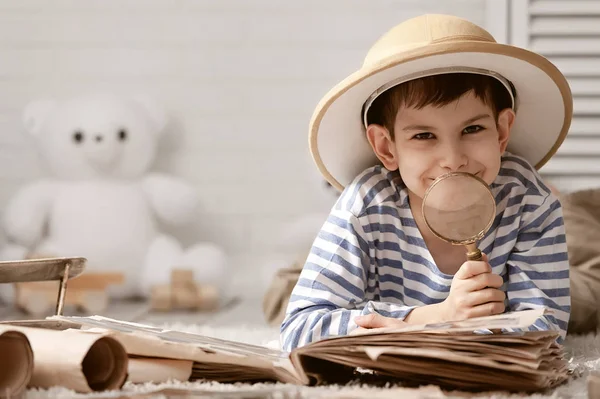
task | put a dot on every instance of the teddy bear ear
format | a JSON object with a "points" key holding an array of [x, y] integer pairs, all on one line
{"points": [[35, 114], [154, 111]]}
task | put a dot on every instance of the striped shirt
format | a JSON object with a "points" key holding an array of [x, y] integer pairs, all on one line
{"points": [[370, 256]]}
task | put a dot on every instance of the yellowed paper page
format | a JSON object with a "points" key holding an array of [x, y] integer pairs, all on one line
{"points": [[593, 384], [148, 341], [156, 370], [512, 320]]}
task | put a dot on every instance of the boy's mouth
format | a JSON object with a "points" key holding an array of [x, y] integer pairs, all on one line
{"points": [[478, 174]]}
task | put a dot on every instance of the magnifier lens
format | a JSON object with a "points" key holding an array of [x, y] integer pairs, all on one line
{"points": [[459, 208]]}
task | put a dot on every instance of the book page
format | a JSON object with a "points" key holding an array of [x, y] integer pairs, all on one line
{"points": [[593, 384], [209, 343], [245, 362], [157, 370], [509, 320]]}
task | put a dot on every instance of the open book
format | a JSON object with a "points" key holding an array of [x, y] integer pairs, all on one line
{"points": [[471, 354]]}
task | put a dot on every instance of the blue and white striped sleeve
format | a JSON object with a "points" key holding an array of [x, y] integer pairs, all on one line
{"points": [[331, 285], [538, 266]]}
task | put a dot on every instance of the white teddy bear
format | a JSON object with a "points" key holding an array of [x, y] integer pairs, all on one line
{"points": [[103, 203]]}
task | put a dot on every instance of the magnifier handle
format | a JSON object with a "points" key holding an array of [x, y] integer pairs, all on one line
{"points": [[473, 253]]}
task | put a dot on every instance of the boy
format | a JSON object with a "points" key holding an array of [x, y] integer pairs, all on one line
{"points": [[435, 94]]}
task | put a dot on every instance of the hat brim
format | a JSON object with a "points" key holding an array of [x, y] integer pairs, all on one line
{"points": [[337, 138]]}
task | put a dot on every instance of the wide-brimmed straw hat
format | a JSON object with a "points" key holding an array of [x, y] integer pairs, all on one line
{"points": [[430, 45]]}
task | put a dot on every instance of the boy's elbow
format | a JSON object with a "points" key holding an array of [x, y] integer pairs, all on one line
{"points": [[291, 338], [301, 328], [293, 330]]}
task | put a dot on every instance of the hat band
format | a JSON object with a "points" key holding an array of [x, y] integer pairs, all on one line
{"points": [[432, 72]]}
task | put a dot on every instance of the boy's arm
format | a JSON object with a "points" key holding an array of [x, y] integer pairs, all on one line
{"points": [[332, 283], [538, 267]]}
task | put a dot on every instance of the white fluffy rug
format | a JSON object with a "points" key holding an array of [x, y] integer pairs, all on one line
{"points": [[583, 352]]}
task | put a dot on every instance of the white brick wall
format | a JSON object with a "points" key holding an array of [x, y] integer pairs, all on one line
{"points": [[240, 78]]}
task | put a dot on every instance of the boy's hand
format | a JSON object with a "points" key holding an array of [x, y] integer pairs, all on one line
{"points": [[375, 320], [474, 293]]}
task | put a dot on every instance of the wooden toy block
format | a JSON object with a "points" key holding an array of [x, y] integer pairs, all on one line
{"points": [[87, 292], [183, 293]]}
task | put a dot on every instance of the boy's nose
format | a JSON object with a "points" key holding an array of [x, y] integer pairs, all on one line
{"points": [[453, 159]]}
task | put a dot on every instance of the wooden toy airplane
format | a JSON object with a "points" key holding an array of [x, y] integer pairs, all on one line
{"points": [[48, 269]]}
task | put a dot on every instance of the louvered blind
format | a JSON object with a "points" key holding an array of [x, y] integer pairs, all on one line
{"points": [[568, 34]]}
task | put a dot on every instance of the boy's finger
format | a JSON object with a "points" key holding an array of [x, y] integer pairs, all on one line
{"points": [[473, 268], [487, 309], [358, 331], [483, 280], [485, 295], [375, 320]]}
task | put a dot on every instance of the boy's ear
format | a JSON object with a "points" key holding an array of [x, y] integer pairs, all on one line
{"points": [[383, 146], [506, 120]]}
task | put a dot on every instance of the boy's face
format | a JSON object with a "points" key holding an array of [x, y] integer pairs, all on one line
{"points": [[431, 141]]}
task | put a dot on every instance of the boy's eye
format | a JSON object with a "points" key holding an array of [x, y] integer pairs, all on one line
{"points": [[472, 129], [423, 136]]}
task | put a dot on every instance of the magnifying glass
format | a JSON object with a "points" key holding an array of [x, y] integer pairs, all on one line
{"points": [[459, 208]]}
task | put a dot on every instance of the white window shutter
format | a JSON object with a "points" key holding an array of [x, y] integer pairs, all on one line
{"points": [[567, 32]]}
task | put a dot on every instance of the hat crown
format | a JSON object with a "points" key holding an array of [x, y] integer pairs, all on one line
{"points": [[422, 31]]}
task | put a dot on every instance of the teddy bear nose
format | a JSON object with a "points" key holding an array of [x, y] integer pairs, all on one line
{"points": [[99, 137]]}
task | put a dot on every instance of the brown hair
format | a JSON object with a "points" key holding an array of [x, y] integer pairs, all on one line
{"points": [[437, 90]]}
